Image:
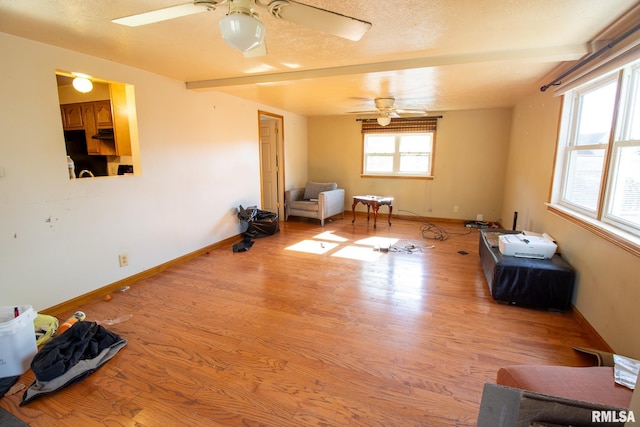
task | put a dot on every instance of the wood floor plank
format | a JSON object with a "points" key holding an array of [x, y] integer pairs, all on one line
{"points": [[311, 327]]}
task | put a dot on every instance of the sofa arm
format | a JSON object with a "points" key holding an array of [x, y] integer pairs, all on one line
{"points": [[588, 383], [331, 202], [503, 406], [293, 194]]}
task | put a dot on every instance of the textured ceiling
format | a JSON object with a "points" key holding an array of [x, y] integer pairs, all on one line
{"points": [[432, 54]]}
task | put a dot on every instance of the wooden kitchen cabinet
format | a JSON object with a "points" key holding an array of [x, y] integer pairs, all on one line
{"points": [[91, 116], [90, 129], [102, 112], [72, 118]]}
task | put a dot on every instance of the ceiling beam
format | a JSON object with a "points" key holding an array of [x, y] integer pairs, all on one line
{"points": [[548, 54]]}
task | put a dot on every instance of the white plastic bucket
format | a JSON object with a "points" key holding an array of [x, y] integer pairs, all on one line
{"points": [[17, 340]]}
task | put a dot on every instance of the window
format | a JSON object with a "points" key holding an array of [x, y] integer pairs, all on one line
{"points": [[401, 150], [99, 127], [598, 161], [398, 154]]}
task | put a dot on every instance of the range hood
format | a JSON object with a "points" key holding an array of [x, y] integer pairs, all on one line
{"points": [[105, 134]]}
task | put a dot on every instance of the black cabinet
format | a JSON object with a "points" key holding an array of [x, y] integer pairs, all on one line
{"points": [[536, 283]]}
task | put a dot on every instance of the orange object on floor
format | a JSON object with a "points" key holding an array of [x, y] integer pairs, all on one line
{"points": [[78, 316]]}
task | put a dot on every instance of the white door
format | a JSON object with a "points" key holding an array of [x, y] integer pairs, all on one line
{"points": [[269, 164]]}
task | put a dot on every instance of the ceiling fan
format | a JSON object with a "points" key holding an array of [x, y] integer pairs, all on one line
{"points": [[241, 27], [386, 110]]}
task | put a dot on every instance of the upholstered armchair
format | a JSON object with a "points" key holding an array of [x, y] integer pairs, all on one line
{"points": [[319, 200]]}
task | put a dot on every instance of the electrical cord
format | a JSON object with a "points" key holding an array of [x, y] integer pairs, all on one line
{"points": [[409, 248], [431, 231]]}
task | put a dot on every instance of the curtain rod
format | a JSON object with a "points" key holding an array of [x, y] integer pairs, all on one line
{"points": [[558, 80]]}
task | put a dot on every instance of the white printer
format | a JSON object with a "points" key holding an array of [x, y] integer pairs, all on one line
{"points": [[527, 246]]}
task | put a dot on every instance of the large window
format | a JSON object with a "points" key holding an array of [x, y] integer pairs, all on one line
{"points": [[598, 161], [401, 150], [398, 154]]}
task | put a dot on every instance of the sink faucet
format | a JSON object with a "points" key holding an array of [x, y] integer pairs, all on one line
{"points": [[86, 172]]}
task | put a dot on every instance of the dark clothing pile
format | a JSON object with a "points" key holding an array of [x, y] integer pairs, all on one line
{"points": [[71, 357]]}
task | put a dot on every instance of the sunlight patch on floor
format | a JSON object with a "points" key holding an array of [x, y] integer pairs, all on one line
{"points": [[377, 241], [363, 249], [328, 235], [313, 246], [362, 253], [409, 299]]}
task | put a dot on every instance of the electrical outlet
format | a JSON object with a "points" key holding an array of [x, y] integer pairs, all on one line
{"points": [[479, 217], [123, 259], [455, 208]]}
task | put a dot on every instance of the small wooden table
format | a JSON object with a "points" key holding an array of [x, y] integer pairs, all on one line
{"points": [[375, 202]]}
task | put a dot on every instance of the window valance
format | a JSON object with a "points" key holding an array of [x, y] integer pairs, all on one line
{"points": [[402, 125]]}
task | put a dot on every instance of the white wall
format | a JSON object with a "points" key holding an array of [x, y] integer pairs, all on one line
{"points": [[469, 165], [60, 238], [607, 288]]}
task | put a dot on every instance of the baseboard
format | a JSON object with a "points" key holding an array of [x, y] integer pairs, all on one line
{"points": [[416, 217], [428, 219], [384, 215], [601, 343], [72, 304]]}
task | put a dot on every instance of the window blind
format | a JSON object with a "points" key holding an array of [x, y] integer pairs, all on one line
{"points": [[402, 125]]}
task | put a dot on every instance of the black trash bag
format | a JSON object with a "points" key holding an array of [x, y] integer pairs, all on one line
{"points": [[265, 224], [247, 215], [260, 223], [243, 246]]}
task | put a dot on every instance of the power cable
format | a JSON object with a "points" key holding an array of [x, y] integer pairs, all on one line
{"points": [[431, 231], [409, 248]]}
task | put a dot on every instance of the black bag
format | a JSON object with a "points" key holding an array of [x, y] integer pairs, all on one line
{"points": [[243, 246], [260, 223], [247, 215]]}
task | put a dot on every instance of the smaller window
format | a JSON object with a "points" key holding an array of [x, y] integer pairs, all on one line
{"points": [[632, 128], [398, 154], [595, 109], [379, 153], [586, 146], [415, 154]]}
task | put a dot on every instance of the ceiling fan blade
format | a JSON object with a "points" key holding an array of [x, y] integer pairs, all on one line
{"points": [[405, 111], [364, 112], [319, 19], [260, 50], [165, 14], [411, 115]]}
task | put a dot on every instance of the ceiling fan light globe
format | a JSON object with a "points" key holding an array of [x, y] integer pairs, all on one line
{"points": [[241, 31], [384, 120]]}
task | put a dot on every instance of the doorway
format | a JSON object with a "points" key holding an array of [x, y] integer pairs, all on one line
{"points": [[271, 162]]}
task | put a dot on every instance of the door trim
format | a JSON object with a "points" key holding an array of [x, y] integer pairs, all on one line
{"points": [[280, 175]]}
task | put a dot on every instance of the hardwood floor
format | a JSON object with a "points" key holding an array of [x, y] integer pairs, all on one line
{"points": [[332, 334]]}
